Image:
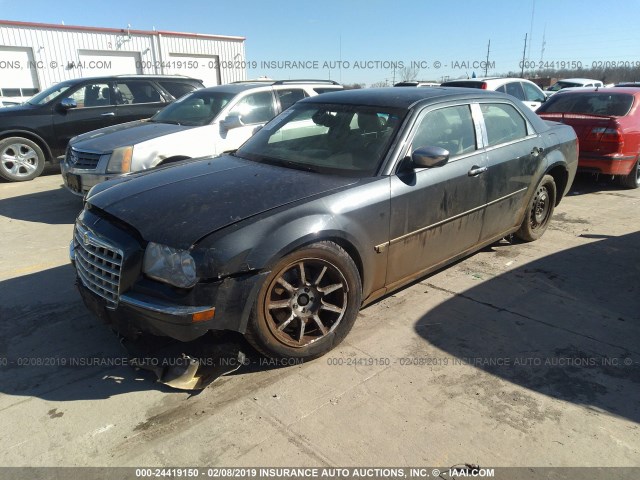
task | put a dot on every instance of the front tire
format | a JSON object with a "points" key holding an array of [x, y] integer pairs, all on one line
{"points": [[307, 304], [20, 159], [539, 211], [633, 179]]}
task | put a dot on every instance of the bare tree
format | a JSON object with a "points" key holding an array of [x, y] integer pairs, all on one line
{"points": [[407, 74], [383, 83]]}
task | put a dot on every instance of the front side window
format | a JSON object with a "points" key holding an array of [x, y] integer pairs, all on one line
{"points": [[198, 108], [503, 123], [93, 95], [349, 140], [255, 108], [531, 93], [450, 128]]}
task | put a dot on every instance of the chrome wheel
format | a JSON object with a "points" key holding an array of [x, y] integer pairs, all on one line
{"points": [[306, 301], [19, 160]]}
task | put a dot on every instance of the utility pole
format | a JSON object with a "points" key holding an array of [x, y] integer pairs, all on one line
{"points": [[486, 65], [544, 42], [524, 54]]}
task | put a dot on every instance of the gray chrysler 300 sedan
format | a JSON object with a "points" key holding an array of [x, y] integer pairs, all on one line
{"points": [[338, 200]]}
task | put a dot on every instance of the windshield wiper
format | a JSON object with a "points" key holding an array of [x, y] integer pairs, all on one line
{"points": [[170, 122]]}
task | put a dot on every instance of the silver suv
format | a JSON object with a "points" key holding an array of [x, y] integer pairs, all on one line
{"points": [[205, 122]]}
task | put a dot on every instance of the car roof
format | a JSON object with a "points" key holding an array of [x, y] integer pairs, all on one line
{"points": [[601, 90], [404, 98]]}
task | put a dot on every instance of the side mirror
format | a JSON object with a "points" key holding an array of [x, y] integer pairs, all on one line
{"points": [[429, 157], [68, 103], [232, 121]]}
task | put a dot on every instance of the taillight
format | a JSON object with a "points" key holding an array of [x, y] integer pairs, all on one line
{"points": [[605, 135], [483, 86]]}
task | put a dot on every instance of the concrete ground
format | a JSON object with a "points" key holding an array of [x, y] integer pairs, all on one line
{"points": [[520, 355]]}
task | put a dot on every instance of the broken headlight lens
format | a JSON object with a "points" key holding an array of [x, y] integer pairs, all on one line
{"points": [[169, 265]]}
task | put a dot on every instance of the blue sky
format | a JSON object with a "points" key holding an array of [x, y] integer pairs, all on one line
{"points": [[364, 32]]}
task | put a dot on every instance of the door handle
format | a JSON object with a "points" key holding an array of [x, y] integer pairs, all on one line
{"points": [[108, 114], [476, 170]]}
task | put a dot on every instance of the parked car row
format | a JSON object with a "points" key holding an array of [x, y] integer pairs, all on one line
{"points": [[340, 199], [204, 122], [39, 130]]}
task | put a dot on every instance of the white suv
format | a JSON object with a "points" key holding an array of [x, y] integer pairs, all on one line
{"points": [[572, 83], [525, 90], [205, 122]]}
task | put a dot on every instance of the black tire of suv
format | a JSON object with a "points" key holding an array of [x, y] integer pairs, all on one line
{"points": [[542, 203], [30, 152], [633, 179], [337, 267]]}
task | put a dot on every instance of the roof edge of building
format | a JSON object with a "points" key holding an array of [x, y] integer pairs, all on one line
{"points": [[15, 23]]}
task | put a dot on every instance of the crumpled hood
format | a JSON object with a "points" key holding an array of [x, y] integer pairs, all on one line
{"points": [[179, 204], [109, 138]]}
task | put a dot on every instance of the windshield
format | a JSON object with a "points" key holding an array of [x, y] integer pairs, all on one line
{"points": [[196, 108], [49, 94], [348, 140]]}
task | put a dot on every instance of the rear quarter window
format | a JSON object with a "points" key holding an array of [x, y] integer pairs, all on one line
{"points": [[592, 103]]}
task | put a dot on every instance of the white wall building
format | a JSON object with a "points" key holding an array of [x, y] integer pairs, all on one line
{"points": [[38, 55]]}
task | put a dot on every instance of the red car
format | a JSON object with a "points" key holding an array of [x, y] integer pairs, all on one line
{"points": [[607, 123]]}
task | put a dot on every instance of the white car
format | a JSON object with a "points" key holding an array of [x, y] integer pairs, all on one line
{"points": [[205, 122], [572, 83], [525, 90]]}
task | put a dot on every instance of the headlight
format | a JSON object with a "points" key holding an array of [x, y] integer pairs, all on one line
{"points": [[120, 160], [169, 265]]}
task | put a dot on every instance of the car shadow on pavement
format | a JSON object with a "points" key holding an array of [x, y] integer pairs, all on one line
{"points": [[53, 207], [566, 326], [52, 347]]}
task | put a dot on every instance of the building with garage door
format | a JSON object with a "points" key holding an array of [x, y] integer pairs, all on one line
{"points": [[34, 56]]}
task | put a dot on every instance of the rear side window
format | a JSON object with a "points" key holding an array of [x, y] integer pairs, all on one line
{"points": [[515, 90], [590, 103], [503, 123], [290, 96], [177, 89], [136, 91]]}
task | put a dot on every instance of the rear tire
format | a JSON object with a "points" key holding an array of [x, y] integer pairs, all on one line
{"points": [[20, 159], [539, 211], [633, 179], [307, 304]]}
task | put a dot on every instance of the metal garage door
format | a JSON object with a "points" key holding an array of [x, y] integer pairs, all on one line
{"points": [[202, 67], [19, 71], [94, 63]]}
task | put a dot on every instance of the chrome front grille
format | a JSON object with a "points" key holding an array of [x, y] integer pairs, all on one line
{"points": [[82, 160], [98, 265]]}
